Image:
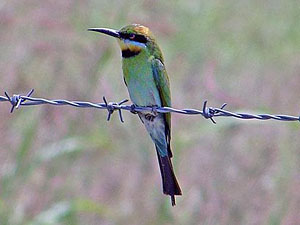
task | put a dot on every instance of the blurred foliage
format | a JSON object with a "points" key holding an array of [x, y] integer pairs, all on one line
{"points": [[60, 165]]}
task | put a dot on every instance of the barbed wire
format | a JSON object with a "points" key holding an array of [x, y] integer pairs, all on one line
{"points": [[207, 112]]}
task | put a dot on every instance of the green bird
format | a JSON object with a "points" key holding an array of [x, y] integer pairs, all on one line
{"points": [[147, 82]]}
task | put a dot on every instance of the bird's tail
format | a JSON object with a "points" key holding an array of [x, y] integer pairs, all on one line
{"points": [[169, 181]]}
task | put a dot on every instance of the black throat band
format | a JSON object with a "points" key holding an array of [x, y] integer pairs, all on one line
{"points": [[127, 53]]}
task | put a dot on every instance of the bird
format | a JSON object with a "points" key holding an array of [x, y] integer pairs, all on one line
{"points": [[147, 81]]}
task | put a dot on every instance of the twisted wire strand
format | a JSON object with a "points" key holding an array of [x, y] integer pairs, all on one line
{"points": [[207, 112]]}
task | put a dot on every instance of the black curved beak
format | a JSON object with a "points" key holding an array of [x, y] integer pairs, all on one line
{"points": [[110, 32]]}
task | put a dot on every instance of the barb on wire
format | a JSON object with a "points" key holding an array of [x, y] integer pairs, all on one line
{"points": [[207, 112], [111, 107], [16, 100]]}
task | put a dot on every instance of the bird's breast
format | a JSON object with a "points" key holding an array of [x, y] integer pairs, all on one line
{"points": [[140, 83]]}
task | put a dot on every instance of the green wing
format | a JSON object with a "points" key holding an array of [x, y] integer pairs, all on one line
{"points": [[162, 83]]}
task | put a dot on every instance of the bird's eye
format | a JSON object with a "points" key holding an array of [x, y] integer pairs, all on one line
{"points": [[131, 36]]}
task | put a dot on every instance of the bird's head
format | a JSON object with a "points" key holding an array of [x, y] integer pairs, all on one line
{"points": [[133, 38]]}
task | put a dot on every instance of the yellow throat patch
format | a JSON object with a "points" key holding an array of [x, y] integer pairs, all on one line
{"points": [[128, 46]]}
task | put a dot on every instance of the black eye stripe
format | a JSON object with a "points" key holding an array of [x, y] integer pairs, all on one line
{"points": [[140, 38], [137, 37]]}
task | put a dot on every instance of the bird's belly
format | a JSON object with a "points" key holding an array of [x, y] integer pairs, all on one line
{"points": [[143, 92]]}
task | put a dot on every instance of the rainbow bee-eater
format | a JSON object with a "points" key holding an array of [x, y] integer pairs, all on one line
{"points": [[147, 82]]}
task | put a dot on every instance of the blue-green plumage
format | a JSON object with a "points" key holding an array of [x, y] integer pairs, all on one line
{"points": [[138, 76], [148, 85], [140, 80]]}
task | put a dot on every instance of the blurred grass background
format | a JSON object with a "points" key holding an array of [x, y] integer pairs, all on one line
{"points": [[61, 165]]}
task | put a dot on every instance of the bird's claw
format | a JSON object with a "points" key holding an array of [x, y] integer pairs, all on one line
{"points": [[154, 111]]}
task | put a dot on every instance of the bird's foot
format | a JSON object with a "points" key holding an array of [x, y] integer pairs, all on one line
{"points": [[151, 116], [154, 110]]}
